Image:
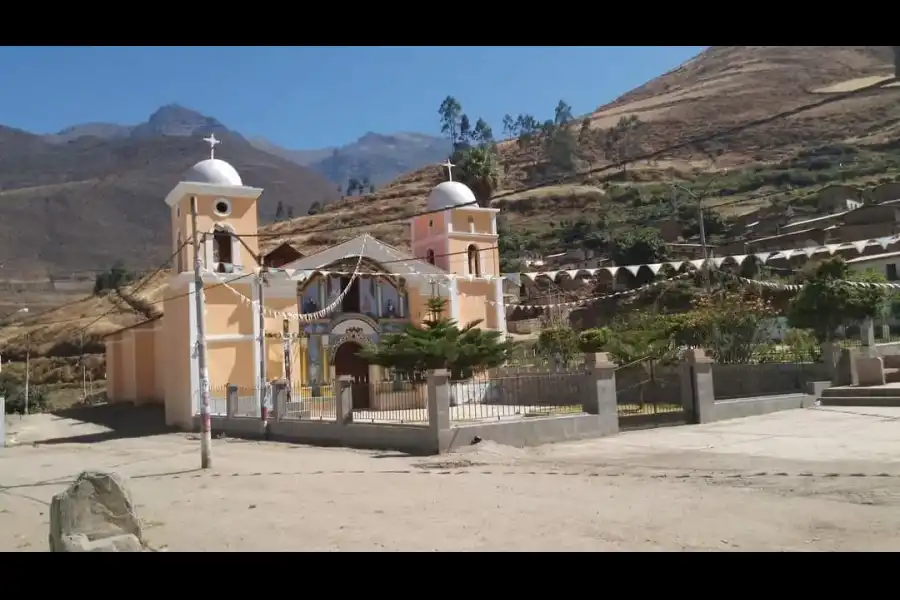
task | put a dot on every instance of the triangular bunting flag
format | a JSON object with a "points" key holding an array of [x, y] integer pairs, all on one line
{"points": [[809, 251], [861, 245], [633, 269], [698, 263], [762, 257], [676, 265], [718, 261], [611, 270], [739, 259], [884, 241], [655, 267], [832, 248]]}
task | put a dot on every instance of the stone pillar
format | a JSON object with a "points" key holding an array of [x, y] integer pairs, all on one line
{"points": [[697, 392], [601, 399], [439, 400], [867, 336], [343, 400], [831, 353], [279, 399], [231, 401]]}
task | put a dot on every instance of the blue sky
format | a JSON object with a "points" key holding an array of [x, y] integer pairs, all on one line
{"points": [[313, 97]]}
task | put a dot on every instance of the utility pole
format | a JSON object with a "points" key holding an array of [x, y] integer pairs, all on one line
{"points": [[27, 368], [263, 400], [199, 303], [83, 370]]}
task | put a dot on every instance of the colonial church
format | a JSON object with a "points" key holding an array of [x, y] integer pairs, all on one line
{"points": [[307, 320]]}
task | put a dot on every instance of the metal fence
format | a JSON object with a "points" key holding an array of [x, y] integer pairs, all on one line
{"points": [[648, 391], [309, 402], [402, 401], [492, 396], [768, 374]]}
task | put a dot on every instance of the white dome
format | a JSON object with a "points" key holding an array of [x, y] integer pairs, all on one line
{"points": [[450, 194], [215, 172]]}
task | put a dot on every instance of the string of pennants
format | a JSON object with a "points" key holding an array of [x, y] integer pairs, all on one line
{"points": [[738, 259], [319, 314], [632, 292], [795, 287]]}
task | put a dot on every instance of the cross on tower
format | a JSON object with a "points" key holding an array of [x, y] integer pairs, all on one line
{"points": [[449, 166], [213, 142]]}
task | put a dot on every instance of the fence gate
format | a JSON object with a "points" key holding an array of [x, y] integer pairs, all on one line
{"points": [[360, 392], [648, 394]]}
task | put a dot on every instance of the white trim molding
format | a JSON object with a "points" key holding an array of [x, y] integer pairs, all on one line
{"points": [[499, 306], [225, 338], [189, 188], [258, 342], [454, 300]]}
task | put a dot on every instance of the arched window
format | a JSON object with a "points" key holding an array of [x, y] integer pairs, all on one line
{"points": [[471, 224], [223, 251], [474, 262], [429, 256]]}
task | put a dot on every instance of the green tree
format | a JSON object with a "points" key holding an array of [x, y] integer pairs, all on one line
{"points": [[594, 340], [825, 303], [113, 279], [440, 344], [279, 211], [315, 209], [480, 170], [626, 139], [450, 113], [465, 132], [353, 185], [560, 344], [728, 324], [638, 246], [483, 135]]}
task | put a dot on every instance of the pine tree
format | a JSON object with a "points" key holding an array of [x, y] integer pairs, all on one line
{"points": [[441, 344], [279, 212]]}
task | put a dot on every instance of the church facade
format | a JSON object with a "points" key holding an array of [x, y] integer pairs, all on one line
{"points": [[307, 320]]}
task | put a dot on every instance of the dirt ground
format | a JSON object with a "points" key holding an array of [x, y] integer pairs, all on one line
{"points": [[817, 479]]}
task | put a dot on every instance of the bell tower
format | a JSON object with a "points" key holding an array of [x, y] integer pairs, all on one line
{"points": [[461, 238]]}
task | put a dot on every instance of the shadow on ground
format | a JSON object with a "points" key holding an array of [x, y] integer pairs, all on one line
{"points": [[120, 421]]}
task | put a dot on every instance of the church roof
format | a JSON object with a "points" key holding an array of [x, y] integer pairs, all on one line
{"points": [[393, 260]]}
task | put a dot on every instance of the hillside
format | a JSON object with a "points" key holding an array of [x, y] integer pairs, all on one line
{"points": [[80, 204], [723, 87]]}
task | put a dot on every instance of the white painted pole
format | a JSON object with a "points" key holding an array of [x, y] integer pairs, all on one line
{"points": [[199, 302]]}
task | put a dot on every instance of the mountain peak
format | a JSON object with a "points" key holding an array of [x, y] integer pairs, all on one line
{"points": [[176, 120]]}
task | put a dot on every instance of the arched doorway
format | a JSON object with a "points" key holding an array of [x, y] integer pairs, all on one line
{"points": [[347, 361]]}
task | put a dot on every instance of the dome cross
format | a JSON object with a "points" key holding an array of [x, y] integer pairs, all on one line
{"points": [[449, 166], [213, 142]]}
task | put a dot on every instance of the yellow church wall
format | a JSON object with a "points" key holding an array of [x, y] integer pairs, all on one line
{"points": [[225, 313], [418, 307], [160, 348], [144, 341], [176, 365], [280, 305], [472, 305], [482, 221], [231, 363], [113, 375], [128, 390], [421, 230], [487, 254]]}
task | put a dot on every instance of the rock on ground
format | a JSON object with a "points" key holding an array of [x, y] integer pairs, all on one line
{"points": [[97, 506]]}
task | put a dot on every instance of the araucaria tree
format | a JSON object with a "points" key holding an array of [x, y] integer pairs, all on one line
{"points": [[440, 344]]}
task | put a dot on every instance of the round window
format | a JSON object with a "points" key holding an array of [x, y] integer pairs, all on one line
{"points": [[222, 207]]}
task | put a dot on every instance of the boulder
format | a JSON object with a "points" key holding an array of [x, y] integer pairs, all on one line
{"points": [[79, 542], [97, 506]]}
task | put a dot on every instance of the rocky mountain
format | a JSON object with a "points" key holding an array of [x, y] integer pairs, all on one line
{"points": [[378, 158], [94, 193]]}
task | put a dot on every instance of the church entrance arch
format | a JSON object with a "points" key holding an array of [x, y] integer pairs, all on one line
{"points": [[347, 361]]}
